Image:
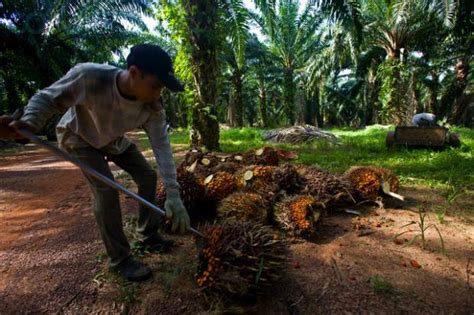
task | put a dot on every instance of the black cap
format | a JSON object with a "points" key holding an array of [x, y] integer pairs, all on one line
{"points": [[154, 60]]}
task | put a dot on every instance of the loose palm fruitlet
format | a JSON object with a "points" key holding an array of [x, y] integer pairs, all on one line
{"points": [[368, 181], [298, 214], [219, 185], [332, 190], [239, 260], [244, 206]]}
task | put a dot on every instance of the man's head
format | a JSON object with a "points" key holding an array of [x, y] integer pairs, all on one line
{"points": [[150, 70]]}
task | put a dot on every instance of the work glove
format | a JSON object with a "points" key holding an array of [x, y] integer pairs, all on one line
{"points": [[176, 212]]}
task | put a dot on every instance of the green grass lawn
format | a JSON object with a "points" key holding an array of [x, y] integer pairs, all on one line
{"points": [[451, 167]]}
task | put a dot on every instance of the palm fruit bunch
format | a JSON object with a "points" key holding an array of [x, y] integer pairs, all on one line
{"points": [[236, 158], [226, 166], [192, 156], [389, 177], [263, 156], [160, 195], [332, 190], [257, 179], [243, 206], [288, 179], [239, 260], [368, 181], [192, 194], [209, 160], [199, 163], [298, 214], [219, 185]]}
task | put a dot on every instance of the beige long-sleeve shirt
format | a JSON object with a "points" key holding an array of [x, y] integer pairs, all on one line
{"points": [[99, 116]]}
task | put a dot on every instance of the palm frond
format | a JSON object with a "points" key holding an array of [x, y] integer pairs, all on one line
{"points": [[236, 18]]}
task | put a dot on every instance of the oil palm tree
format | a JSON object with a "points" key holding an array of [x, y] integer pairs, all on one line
{"points": [[42, 39], [292, 37], [200, 29], [234, 22], [400, 27]]}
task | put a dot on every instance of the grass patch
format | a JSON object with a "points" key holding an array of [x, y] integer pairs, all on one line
{"points": [[380, 285]]}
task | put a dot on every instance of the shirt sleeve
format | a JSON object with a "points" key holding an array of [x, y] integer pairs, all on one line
{"points": [[155, 128], [57, 98]]}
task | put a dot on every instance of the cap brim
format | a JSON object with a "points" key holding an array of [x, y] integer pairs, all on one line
{"points": [[172, 83]]}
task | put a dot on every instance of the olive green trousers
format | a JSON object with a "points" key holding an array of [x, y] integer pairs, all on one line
{"points": [[107, 210]]}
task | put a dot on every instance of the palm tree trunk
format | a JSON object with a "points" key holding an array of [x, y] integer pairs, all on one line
{"points": [[312, 114], [397, 106], [372, 88], [318, 120], [201, 19], [237, 97], [231, 115], [289, 91], [262, 101], [432, 105], [461, 102]]}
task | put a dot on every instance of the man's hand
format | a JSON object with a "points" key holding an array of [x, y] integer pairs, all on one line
{"points": [[8, 127], [176, 211]]}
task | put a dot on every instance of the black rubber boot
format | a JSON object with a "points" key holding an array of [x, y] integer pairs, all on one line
{"points": [[132, 270]]}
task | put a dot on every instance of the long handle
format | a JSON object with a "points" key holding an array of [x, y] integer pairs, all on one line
{"points": [[89, 170]]}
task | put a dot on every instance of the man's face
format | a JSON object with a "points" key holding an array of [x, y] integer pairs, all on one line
{"points": [[146, 87]]}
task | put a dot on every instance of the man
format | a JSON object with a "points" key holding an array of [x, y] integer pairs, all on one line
{"points": [[424, 119], [103, 102]]}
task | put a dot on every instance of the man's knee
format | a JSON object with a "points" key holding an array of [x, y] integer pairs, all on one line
{"points": [[106, 199]]}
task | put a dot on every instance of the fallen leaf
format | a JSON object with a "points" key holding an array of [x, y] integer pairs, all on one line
{"points": [[398, 241], [415, 264], [288, 155], [365, 232]]}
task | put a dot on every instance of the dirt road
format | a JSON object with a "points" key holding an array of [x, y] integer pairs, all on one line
{"points": [[48, 238]]}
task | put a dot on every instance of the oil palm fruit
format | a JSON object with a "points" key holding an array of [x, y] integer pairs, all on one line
{"points": [[192, 156], [257, 179], [334, 191], [288, 179], [229, 167], [298, 214], [239, 260], [263, 156], [243, 206], [219, 185], [368, 181]]}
